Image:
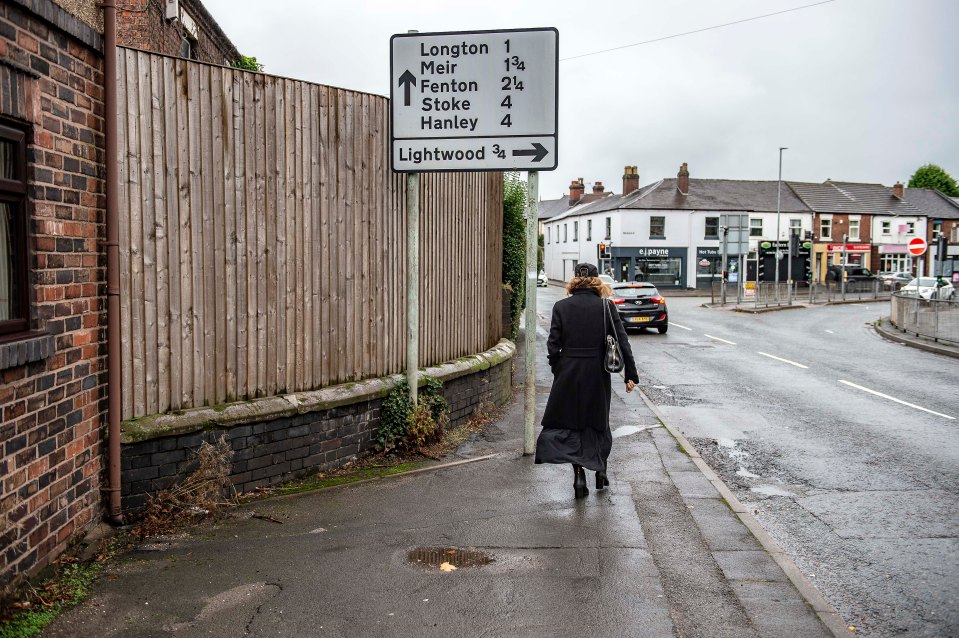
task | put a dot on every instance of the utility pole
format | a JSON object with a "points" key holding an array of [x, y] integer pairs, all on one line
{"points": [[779, 189], [412, 282], [532, 213], [722, 284], [842, 268]]}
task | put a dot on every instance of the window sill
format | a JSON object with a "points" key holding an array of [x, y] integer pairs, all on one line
{"points": [[657, 238], [32, 346]]}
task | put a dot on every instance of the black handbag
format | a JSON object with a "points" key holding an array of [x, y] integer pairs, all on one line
{"points": [[613, 357]]}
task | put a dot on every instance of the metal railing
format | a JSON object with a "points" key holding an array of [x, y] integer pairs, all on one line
{"points": [[935, 319], [765, 294]]}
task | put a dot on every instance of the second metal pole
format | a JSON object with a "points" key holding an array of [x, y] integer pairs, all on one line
{"points": [[532, 246], [412, 281]]}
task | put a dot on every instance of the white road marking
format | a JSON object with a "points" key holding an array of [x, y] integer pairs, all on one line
{"points": [[831, 332], [679, 326], [718, 339], [792, 363], [886, 396]]}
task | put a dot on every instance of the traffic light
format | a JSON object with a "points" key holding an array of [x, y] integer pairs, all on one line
{"points": [[793, 245], [604, 251], [941, 246], [808, 235]]}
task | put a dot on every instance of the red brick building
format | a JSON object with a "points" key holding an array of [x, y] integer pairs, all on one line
{"points": [[182, 28], [52, 310]]}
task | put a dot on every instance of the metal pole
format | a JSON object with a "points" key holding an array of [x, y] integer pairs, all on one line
{"points": [[532, 212], [779, 190], [842, 267], [412, 281], [789, 268], [725, 271]]}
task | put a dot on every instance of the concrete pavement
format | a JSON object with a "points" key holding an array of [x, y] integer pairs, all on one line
{"points": [[659, 553]]}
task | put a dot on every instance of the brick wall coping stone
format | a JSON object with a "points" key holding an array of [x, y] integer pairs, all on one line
{"points": [[268, 408], [64, 20]]}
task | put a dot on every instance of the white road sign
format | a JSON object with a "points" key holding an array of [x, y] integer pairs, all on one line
{"points": [[474, 100]]}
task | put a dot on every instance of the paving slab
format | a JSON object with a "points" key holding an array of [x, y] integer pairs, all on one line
{"points": [[658, 553]]}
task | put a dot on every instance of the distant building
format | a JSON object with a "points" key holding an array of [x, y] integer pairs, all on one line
{"points": [[875, 221], [943, 214], [669, 232], [180, 28]]}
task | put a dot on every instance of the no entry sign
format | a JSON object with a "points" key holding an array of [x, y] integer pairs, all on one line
{"points": [[917, 246], [474, 100]]}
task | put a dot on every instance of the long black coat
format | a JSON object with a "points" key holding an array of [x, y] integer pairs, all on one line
{"points": [[581, 389]]}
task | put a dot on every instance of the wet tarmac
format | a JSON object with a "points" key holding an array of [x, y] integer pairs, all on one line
{"points": [[846, 446]]}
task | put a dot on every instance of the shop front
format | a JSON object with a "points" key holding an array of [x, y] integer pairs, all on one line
{"points": [[709, 266], [826, 255], [665, 267], [894, 258], [801, 268]]}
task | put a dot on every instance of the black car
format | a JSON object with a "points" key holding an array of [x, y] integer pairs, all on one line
{"points": [[853, 273], [640, 306]]}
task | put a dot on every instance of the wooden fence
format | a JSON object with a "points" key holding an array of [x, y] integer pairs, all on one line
{"points": [[263, 239]]}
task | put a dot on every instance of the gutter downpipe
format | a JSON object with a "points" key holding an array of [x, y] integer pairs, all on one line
{"points": [[114, 511]]}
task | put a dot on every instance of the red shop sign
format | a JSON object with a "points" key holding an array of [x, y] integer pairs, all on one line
{"points": [[854, 248]]}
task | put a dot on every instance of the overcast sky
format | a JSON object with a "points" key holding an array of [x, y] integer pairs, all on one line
{"points": [[859, 90]]}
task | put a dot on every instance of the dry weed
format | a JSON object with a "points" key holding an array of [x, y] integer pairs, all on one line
{"points": [[204, 492]]}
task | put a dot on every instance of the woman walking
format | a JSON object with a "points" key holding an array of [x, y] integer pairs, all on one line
{"points": [[576, 421]]}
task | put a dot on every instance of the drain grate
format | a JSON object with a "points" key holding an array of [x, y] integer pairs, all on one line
{"points": [[437, 556]]}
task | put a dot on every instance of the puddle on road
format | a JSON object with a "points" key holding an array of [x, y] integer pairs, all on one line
{"points": [[771, 490], [626, 430]]}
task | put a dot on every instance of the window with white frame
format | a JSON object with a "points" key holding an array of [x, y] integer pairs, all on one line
{"points": [[825, 227], [575, 231], [756, 227], [954, 234], [795, 226], [712, 228], [910, 228], [936, 229], [589, 230], [886, 228], [565, 234], [609, 228], [549, 235], [657, 226], [853, 229]]}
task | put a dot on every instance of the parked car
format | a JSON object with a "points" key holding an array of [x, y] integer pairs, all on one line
{"points": [[606, 279], [541, 280], [894, 279], [929, 288], [640, 306], [853, 273]]}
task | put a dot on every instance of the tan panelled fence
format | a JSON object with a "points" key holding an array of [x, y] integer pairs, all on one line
{"points": [[263, 239]]}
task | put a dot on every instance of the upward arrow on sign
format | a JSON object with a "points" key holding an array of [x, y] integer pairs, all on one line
{"points": [[407, 80]]}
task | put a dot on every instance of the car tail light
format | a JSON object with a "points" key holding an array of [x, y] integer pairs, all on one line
{"points": [[617, 300], [658, 300], [661, 317]]}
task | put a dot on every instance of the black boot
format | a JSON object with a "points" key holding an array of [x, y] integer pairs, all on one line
{"points": [[579, 482], [601, 480]]}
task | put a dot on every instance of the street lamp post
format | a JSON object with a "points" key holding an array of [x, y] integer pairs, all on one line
{"points": [[779, 187]]}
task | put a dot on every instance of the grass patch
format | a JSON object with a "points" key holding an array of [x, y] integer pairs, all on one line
{"points": [[65, 584]]}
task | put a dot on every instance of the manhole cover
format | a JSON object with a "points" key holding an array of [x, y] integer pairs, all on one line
{"points": [[439, 556]]}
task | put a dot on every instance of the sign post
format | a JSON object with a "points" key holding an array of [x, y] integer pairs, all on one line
{"points": [[475, 101]]}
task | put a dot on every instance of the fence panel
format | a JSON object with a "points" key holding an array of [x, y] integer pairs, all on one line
{"points": [[263, 239]]}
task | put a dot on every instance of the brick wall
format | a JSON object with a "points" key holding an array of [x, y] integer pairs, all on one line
{"points": [[281, 449], [52, 384], [142, 24]]}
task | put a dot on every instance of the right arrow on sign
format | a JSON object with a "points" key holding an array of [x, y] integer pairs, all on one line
{"points": [[407, 80], [538, 152]]}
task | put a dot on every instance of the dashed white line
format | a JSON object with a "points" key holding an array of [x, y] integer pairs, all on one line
{"points": [[718, 339], [792, 363], [886, 396], [679, 326]]}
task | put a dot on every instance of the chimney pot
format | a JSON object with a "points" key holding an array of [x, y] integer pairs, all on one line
{"points": [[630, 180], [576, 189], [598, 187], [897, 190], [682, 179]]}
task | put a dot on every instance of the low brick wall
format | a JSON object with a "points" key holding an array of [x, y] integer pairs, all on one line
{"points": [[281, 438]]}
